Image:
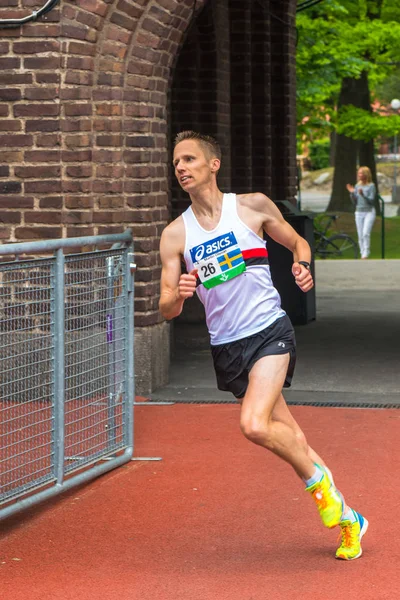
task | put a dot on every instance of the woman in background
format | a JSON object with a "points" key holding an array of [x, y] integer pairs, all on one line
{"points": [[363, 197]]}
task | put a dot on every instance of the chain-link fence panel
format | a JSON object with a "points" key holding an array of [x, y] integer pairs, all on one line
{"points": [[66, 365]]}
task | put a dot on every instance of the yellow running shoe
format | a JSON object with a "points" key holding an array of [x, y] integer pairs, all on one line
{"points": [[352, 532], [328, 500]]}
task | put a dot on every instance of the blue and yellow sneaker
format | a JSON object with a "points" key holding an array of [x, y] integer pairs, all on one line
{"points": [[352, 533], [328, 499]]}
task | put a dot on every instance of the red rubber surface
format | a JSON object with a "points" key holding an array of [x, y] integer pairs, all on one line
{"points": [[217, 519]]}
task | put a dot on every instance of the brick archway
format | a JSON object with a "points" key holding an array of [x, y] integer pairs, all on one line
{"points": [[135, 48], [85, 136], [125, 87], [84, 120]]}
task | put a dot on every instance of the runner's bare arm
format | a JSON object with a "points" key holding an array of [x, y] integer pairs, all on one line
{"points": [[175, 286], [273, 223]]}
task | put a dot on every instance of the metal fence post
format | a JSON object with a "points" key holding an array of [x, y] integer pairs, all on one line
{"points": [[129, 350], [382, 227], [111, 341], [59, 367]]}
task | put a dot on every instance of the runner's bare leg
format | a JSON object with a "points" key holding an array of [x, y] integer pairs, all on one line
{"points": [[266, 380], [282, 413]]}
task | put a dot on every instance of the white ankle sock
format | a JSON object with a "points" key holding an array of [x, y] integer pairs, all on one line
{"points": [[317, 476]]}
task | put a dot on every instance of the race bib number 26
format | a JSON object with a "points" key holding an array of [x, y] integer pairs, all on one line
{"points": [[218, 260]]}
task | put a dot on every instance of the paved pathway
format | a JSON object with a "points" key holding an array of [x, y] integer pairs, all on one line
{"points": [[315, 201], [348, 355], [213, 520]]}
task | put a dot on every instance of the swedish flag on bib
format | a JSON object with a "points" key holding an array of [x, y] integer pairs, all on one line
{"points": [[230, 259], [228, 264]]}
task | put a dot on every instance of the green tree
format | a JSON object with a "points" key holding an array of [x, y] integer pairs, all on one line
{"points": [[345, 48], [390, 87]]}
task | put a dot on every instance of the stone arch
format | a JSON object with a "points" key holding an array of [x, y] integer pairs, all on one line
{"points": [[115, 139], [120, 149], [85, 106]]}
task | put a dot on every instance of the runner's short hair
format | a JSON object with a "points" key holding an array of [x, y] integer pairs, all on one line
{"points": [[209, 144]]}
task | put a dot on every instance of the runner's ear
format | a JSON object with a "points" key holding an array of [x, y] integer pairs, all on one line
{"points": [[215, 166]]}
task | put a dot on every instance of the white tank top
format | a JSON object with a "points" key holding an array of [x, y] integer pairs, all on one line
{"points": [[235, 284]]}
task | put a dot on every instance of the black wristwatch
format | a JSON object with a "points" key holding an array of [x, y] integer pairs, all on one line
{"points": [[305, 264]]}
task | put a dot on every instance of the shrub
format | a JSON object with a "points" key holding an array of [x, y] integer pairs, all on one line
{"points": [[319, 154]]}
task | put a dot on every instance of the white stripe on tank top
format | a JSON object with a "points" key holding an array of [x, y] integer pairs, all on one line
{"points": [[249, 302]]}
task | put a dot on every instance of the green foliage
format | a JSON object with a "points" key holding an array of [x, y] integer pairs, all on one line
{"points": [[390, 10], [362, 125], [338, 39], [389, 88], [319, 154]]}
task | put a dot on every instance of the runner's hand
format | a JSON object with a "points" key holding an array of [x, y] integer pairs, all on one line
{"points": [[187, 284], [302, 277]]}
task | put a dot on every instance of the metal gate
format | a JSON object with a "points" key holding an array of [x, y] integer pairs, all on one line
{"points": [[66, 364]]}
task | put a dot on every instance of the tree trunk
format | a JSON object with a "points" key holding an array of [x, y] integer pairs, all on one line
{"points": [[345, 172], [345, 155], [347, 151], [332, 148]]}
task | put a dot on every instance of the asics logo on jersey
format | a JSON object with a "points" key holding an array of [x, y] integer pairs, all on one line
{"points": [[214, 246]]}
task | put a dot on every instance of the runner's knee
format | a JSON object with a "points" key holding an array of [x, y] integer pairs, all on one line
{"points": [[257, 430]]}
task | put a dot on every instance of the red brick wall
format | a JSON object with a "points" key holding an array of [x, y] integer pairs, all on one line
{"points": [[83, 111], [235, 79], [30, 182], [85, 121]]}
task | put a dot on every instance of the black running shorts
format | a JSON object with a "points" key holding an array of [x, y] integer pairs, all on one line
{"points": [[233, 361]]}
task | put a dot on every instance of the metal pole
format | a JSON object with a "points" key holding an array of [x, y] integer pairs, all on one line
{"points": [[394, 199], [395, 104], [130, 359], [110, 333], [50, 245], [299, 186], [129, 349], [59, 369], [382, 227]]}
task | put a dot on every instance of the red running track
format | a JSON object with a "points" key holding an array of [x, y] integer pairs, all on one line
{"points": [[217, 519]]}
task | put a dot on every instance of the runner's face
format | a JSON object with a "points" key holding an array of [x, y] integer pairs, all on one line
{"points": [[192, 167]]}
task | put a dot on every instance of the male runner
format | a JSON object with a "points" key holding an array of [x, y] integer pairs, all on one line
{"points": [[220, 237]]}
